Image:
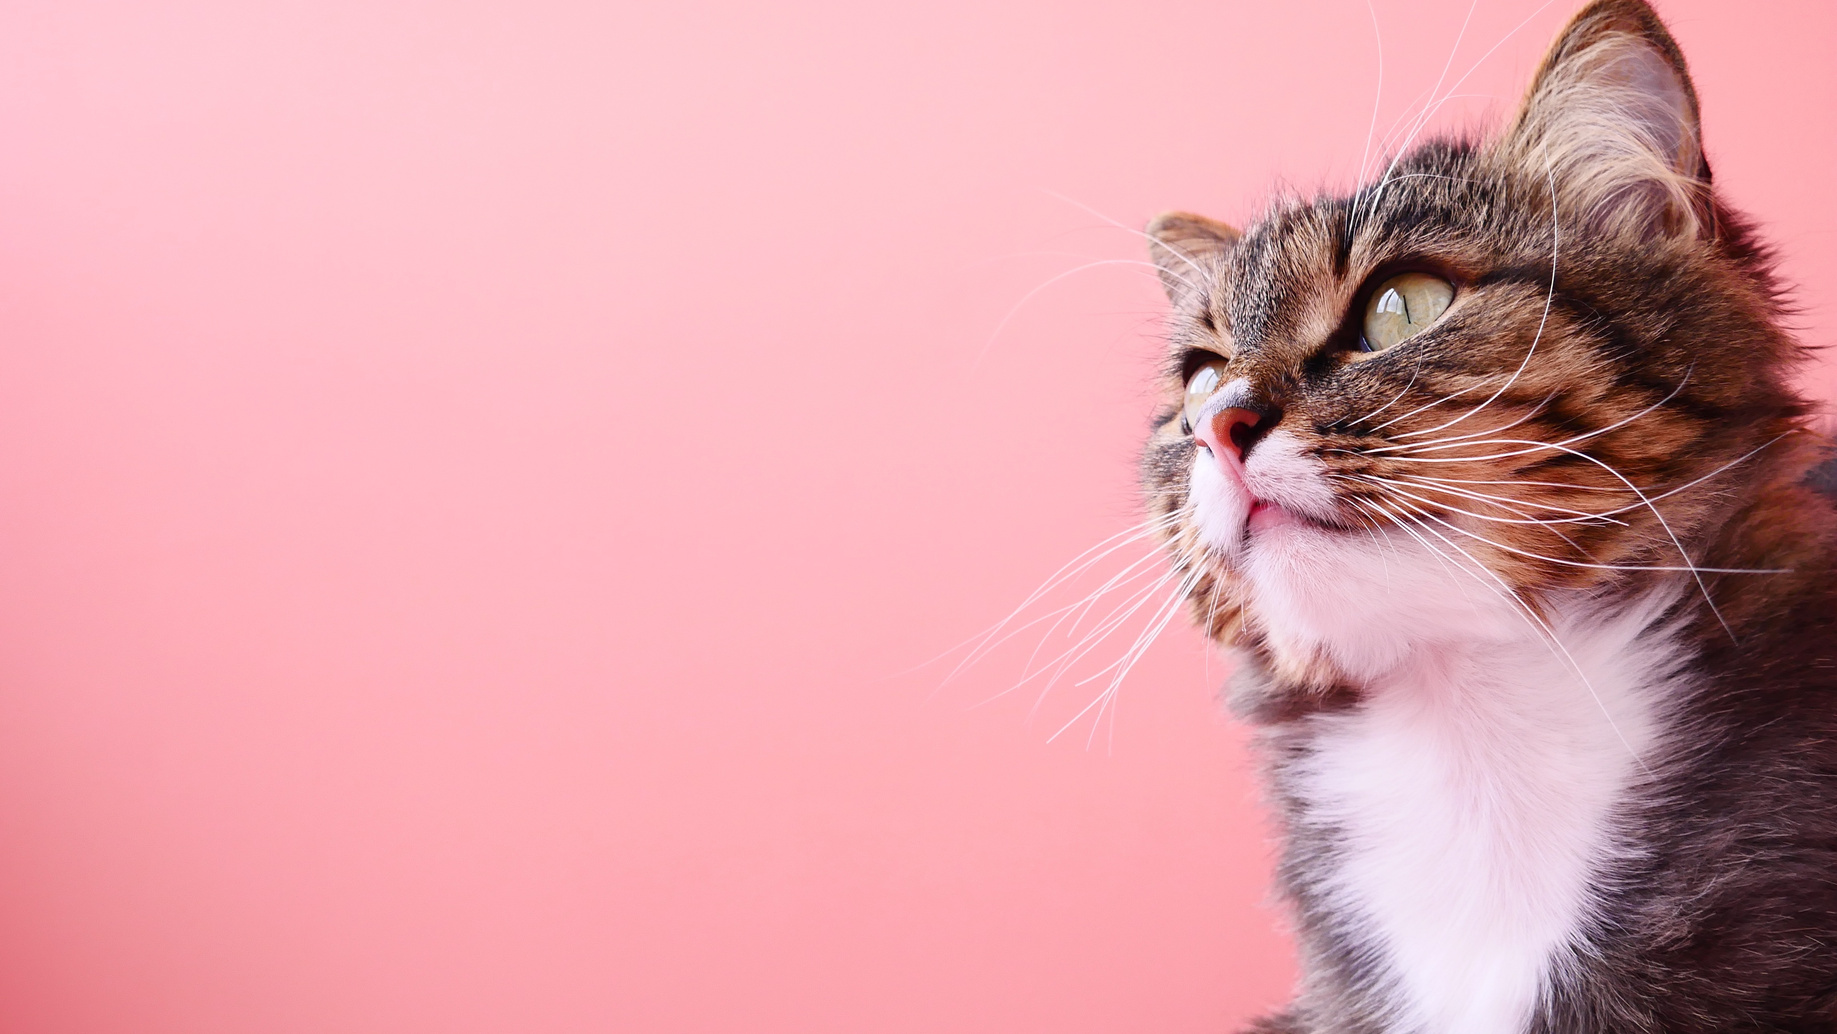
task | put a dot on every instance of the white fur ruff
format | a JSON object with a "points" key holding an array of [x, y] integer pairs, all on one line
{"points": [[1476, 790]]}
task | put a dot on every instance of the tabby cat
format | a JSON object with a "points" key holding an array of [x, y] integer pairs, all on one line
{"points": [[1493, 477]]}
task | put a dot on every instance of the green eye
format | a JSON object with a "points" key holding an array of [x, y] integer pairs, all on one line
{"points": [[1403, 307], [1199, 388]]}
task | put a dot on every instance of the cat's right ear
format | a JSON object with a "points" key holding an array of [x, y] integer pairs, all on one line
{"points": [[1611, 120], [1186, 249]]}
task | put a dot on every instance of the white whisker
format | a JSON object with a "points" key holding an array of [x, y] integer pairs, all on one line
{"points": [[1156, 624], [1578, 516], [1549, 296], [1145, 235], [999, 327], [1550, 637], [1071, 569], [1688, 566], [1428, 405], [1058, 665], [1546, 525], [1378, 95], [1378, 190], [1096, 637], [1406, 390]]}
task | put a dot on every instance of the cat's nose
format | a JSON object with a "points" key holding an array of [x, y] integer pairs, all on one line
{"points": [[1230, 433]]}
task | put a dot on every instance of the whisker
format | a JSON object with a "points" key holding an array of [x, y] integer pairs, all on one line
{"points": [[1191, 578], [1145, 235], [1696, 481], [1071, 569], [1095, 638], [1523, 517], [1091, 600], [1218, 583], [1440, 556], [1554, 641], [1378, 95], [1110, 627], [999, 327], [1156, 624], [1073, 610], [1429, 405], [1581, 516], [1546, 525], [1577, 563], [1532, 484], [1457, 85], [1644, 501], [1456, 438], [1065, 658], [1058, 613], [1057, 666], [1087, 604], [1406, 390], [1616, 425], [1607, 514], [1549, 296]]}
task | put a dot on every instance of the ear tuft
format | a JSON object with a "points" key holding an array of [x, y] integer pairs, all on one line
{"points": [[1186, 249], [1612, 120]]}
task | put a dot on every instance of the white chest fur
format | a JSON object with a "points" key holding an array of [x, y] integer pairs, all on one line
{"points": [[1477, 792], [1474, 797]]}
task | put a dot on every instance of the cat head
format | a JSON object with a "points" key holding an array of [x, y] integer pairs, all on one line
{"points": [[1505, 373]]}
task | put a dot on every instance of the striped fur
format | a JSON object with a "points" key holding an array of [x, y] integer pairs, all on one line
{"points": [[1581, 505]]}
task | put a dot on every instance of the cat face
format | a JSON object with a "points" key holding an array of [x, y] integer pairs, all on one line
{"points": [[1508, 370]]}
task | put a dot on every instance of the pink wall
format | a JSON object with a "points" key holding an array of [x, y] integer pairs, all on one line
{"points": [[472, 474]]}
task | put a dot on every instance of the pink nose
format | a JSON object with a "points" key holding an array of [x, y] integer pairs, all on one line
{"points": [[1230, 433]]}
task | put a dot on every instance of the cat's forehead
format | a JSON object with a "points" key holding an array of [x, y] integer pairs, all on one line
{"points": [[1438, 203], [1283, 261]]}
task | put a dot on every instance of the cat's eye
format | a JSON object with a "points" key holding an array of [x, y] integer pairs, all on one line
{"points": [[1199, 387], [1403, 307]]}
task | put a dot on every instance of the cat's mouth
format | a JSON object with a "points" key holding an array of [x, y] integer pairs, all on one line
{"points": [[1267, 512], [1268, 515], [1282, 486]]}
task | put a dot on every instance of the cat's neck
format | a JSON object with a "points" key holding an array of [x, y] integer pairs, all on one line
{"points": [[1469, 798]]}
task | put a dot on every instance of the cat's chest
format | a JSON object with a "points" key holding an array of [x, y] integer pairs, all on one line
{"points": [[1472, 802]]}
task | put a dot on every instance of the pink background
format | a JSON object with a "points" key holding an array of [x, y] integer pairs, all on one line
{"points": [[472, 476]]}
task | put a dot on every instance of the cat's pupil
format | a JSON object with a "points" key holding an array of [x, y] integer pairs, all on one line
{"points": [[1392, 301]]}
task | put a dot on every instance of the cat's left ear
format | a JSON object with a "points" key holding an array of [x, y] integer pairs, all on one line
{"points": [[1611, 122], [1186, 249]]}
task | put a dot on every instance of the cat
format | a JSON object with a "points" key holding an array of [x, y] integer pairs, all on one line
{"points": [[1493, 478]]}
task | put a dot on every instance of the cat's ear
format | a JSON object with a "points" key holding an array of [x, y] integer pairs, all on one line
{"points": [[1186, 249], [1611, 123]]}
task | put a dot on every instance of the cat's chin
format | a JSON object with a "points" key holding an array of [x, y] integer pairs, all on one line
{"points": [[1250, 520], [1363, 600], [1321, 586]]}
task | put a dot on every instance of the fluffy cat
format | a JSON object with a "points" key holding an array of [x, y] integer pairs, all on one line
{"points": [[1493, 478]]}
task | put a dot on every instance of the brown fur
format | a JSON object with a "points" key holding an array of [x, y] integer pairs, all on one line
{"points": [[1589, 237]]}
